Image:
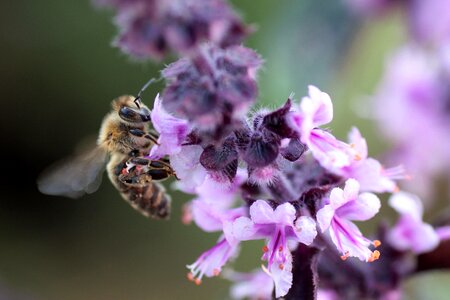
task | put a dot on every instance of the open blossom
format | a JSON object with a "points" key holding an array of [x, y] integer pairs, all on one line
{"points": [[369, 172], [211, 218], [415, 89], [277, 226], [345, 206], [186, 165], [314, 111], [172, 131], [426, 28], [410, 232], [153, 28]]}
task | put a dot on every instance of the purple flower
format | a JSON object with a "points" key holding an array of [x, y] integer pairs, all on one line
{"points": [[314, 111], [415, 91], [210, 262], [152, 28], [213, 88], [257, 285], [212, 218], [345, 206], [425, 26], [211, 212], [443, 233], [172, 131], [369, 172], [186, 165], [277, 226], [410, 232]]}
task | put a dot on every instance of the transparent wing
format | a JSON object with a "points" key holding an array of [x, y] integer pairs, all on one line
{"points": [[75, 176]]}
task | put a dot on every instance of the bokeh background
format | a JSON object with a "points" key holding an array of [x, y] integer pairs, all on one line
{"points": [[58, 76]]}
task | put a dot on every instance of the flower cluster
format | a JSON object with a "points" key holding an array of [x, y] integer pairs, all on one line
{"points": [[152, 28], [423, 24], [277, 175], [415, 87], [416, 90], [271, 175]]}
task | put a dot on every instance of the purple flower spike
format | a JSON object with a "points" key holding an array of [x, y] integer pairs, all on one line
{"points": [[344, 206], [152, 28], [410, 232], [277, 226], [213, 88], [172, 131]]}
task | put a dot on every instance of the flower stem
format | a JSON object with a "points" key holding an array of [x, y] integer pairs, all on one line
{"points": [[305, 277]]}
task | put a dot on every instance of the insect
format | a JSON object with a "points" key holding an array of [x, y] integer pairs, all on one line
{"points": [[123, 141]]}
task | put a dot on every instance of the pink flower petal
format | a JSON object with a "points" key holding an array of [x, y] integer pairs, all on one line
{"points": [[206, 216], [188, 168], [351, 189], [443, 233], [243, 229], [337, 198], [284, 214], [317, 107], [282, 277], [262, 213], [407, 204], [305, 229], [324, 217], [257, 285], [349, 240], [358, 143], [172, 131], [414, 235], [365, 207]]}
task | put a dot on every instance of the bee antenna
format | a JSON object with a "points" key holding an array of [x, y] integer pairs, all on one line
{"points": [[137, 100]]}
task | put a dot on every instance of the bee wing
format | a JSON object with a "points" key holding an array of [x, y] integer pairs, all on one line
{"points": [[75, 176]]}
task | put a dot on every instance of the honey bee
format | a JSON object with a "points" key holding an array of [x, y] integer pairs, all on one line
{"points": [[125, 139]]}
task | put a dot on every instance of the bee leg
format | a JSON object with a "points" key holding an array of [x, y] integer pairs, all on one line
{"points": [[153, 136], [142, 134], [137, 132], [157, 169], [142, 161], [159, 174]]}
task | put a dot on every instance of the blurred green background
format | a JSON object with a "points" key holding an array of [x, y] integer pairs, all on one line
{"points": [[59, 74]]}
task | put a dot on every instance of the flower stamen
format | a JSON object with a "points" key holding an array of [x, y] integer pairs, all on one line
{"points": [[345, 256], [375, 255], [376, 243]]}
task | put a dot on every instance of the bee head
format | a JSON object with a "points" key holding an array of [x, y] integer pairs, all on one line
{"points": [[129, 111]]}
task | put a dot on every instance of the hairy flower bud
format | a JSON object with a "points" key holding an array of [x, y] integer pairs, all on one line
{"points": [[213, 88], [152, 28]]}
